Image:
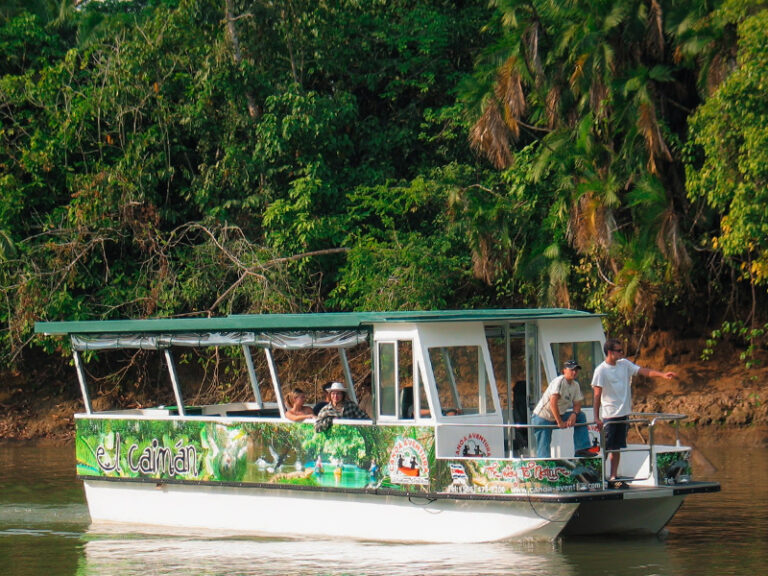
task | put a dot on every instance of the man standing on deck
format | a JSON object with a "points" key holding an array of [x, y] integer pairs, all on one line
{"points": [[613, 401], [561, 406]]}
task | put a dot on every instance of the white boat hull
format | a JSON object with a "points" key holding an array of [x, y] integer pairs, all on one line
{"points": [[640, 510], [325, 514], [637, 513]]}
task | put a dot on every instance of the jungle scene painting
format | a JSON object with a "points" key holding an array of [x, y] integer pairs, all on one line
{"points": [[343, 456], [400, 458]]}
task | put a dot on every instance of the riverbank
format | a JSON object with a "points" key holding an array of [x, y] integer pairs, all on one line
{"points": [[719, 396], [720, 393], [32, 412]]}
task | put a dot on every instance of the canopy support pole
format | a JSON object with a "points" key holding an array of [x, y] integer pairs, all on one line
{"points": [[275, 381], [174, 381], [252, 376], [348, 374], [83, 385]]}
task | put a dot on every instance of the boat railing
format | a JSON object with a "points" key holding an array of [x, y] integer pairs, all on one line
{"points": [[650, 420], [638, 419], [511, 435]]}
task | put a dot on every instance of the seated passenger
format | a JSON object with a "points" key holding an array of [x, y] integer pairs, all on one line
{"points": [[296, 409], [320, 405], [338, 407]]}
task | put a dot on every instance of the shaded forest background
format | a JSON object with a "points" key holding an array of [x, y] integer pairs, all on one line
{"points": [[208, 157]]}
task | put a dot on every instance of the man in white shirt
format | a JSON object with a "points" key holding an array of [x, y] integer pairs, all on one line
{"points": [[561, 406], [611, 384]]}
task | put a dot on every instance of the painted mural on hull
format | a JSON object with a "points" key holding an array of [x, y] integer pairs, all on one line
{"points": [[399, 458], [674, 467], [344, 456], [521, 476]]}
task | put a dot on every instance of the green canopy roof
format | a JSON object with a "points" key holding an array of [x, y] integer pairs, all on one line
{"points": [[283, 322]]}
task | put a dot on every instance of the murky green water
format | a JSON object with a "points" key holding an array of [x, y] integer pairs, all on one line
{"points": [[44, 531]]}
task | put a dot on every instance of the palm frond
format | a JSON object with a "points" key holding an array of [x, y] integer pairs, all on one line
{"points": [[590, 227], [510, 95], [552, 106], [654, 40], [531, 38], [648, 126], [490, 136]]}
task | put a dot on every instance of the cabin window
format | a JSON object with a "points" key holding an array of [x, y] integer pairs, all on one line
{"points": [[462, 381], [588, 354], [396, 383]]}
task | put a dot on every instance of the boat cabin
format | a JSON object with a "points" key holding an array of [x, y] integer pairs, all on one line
{"points": [[443, 369]]}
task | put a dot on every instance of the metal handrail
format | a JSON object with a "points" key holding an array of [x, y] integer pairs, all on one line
{"points": [[651, 419], [509, 427]]}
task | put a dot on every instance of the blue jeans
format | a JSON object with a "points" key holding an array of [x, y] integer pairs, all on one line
{"points": [[544, 435]]}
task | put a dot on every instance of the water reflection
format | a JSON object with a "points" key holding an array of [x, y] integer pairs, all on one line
{"points": [[725, 533], [607, 556], [166, 556]]}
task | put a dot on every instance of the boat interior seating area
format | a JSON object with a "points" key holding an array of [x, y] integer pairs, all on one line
{"points": [[406, 402], [520, 415], [234, 409], [263, 413]]}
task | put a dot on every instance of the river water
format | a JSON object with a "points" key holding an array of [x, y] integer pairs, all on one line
{"points": [[44, 531]]}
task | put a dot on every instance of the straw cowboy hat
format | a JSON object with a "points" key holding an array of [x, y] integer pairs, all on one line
{"points": [[337, 387]]}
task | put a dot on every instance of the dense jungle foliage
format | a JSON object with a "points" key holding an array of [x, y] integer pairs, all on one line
{"points": [[209, 157]]}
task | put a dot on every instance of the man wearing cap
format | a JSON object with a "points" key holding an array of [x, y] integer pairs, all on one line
{"points": [[561, 406], [338, 407]]}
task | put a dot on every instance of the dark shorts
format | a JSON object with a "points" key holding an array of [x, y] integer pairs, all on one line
{"points": [[616, 432]]}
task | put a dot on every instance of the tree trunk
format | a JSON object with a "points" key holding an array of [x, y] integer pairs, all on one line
{"points": [[233, 38]]}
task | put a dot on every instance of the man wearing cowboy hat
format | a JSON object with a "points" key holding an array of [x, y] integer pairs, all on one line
{"points": [[338, 407]]}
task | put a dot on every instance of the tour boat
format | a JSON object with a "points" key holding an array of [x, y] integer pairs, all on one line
{"points": [[447, 454]]}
